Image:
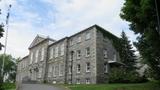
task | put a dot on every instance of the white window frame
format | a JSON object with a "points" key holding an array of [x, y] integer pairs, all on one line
{"points": [[79, 39], [31, 61], [50, 71], [88, 35], [105, 68], [56, 52], [62, 49], [69, 70], [78, 54], [42, 54], [78, 81], [78, 68], [40, 72], [54, 71], [71, 42], [88, 68], [51, 53], [115, 57], [37, 54], [60, 70], [88, 51], [88, 81], [105, 52]]}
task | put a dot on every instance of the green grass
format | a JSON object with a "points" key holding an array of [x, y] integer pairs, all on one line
{"points": [[9, 86], [141, 86]]}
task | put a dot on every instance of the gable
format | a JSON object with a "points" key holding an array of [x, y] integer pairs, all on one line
{"points": [[37, 40]]}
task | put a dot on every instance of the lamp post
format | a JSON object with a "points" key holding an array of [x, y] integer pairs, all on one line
{"points": [[6, 38]]}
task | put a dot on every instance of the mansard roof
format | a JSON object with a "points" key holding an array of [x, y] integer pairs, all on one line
{"points": [[39, 39]]}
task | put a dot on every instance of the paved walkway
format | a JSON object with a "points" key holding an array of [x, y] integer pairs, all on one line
{"points": [[39, 87]]}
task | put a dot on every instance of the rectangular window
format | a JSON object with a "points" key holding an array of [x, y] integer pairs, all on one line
{"points": [[79, 39], [88, 67], [50, 71], [78, 81], [69, 70], [60, 70], [105, 68], [88, 36], [51, 53], [40, 73], [31, 61], [87, 51], [56, 51], [71, 42], [62, 49], [78, 54], [78, 68], [105, 53], [42, 54], [115, 57], [54, 71], [88, 81], [37, 53]]}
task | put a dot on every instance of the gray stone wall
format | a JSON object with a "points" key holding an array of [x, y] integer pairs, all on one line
{"points": [[83, 75], [56, 64]]}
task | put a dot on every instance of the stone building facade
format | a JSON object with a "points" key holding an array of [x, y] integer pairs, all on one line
{"points": [[83, 58]]}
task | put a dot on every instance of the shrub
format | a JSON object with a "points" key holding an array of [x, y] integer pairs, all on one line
{"points": [[120, 75]]}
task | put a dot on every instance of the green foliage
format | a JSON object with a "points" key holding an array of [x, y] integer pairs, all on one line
{"points": [[127, 53], [1, 34], [143, 21], [119, 75], [9, 67]]}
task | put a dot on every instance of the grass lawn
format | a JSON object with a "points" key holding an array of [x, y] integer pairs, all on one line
{"points": [[9, 86], [141, 86]]}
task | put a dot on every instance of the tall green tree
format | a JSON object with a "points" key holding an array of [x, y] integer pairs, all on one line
{"points": [[9, 67], [1, 35], [127, 53], [143, 21]]}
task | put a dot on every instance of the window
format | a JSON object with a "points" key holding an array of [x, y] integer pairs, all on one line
{"points": [[62, 49], [40, 73], [31, 58], [56, 51], [71, 42], [88, 36], [79, 39], [50, 71], [54, 71], [37, 52], [78, 81], [105, 53], [78, 68], [51, 53], [88, 81], [87, 51], [105, 68], [115, 57], [69, 70], [78, 54], [88, 67], [60, 70], [42, 54]]}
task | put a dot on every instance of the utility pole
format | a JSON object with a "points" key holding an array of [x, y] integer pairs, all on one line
{"points": [[158, 19], [6, 38]]}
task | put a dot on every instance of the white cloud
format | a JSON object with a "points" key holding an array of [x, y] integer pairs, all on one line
{"points": [[65, 17]]}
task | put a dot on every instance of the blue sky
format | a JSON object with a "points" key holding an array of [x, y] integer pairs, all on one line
{"points": [[57, 19]]}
